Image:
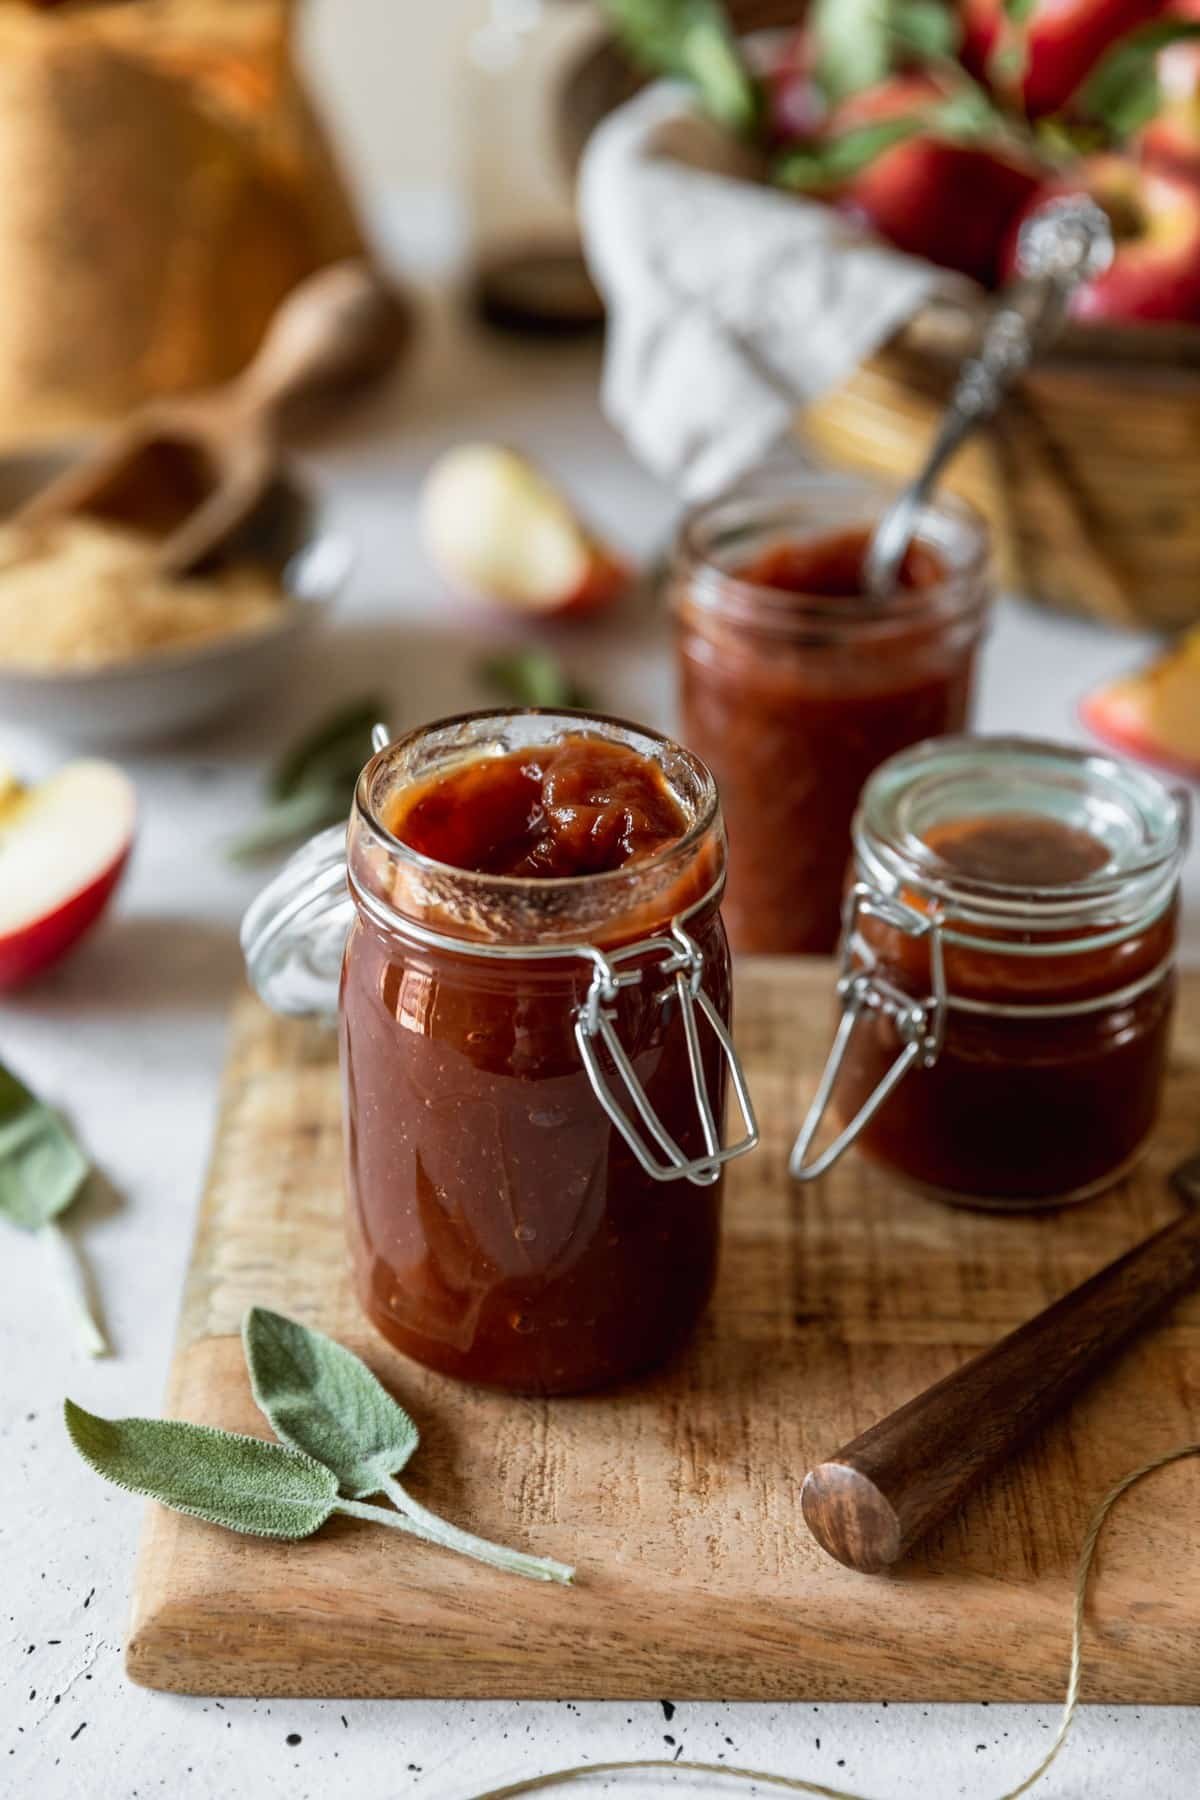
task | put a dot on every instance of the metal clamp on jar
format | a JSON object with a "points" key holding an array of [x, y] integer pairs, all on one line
{"points": [[1007, 972], [532, 1103]]}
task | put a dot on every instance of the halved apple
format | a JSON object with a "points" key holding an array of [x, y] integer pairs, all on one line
{"points": [[63, 846], [496, 528], [1155, 712]]}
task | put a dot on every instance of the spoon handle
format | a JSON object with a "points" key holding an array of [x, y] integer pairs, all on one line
{"points": [[1061, 245], [871, 1501], [340, 328]]}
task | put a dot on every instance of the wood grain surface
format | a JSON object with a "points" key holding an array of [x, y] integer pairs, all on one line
{"points": [[679, 1497]]}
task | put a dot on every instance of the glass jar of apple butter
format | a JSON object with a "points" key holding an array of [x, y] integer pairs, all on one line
{"points": [[794, 686], [1008, 972], [534, 1019]]}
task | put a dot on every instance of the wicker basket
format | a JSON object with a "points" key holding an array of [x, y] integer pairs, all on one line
{"points": [[1090, 477]]}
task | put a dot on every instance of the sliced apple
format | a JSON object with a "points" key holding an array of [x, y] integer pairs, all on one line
{"points": [[495, 527], [63, 846], [1154, 713]]}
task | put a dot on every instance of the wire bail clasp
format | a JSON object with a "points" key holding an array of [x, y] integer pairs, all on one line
{"points": [[596, 1024], [919, 1024]]}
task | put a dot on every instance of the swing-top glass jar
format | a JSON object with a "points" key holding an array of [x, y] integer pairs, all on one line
{"points": [[534, 1064], [1007, 976]]}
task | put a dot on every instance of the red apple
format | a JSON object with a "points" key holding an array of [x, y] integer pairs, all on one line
{"points": [[949, 202], [497, 528], [1155, 272], [1061, 42], [1155, 714], [63, 846]]}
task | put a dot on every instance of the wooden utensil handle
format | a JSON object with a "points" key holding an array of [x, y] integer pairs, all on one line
{"points": [[872, 1500], [343, 326]]}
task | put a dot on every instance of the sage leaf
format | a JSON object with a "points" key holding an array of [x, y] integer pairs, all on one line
{"points": [[313, 783], [1123, 90], [42, 1168], [333, 751], [824, 165], [928, 29], [693, 39], [323, 1400], [533, 678], [242, 1483], [853, 41], [42, 1171]]}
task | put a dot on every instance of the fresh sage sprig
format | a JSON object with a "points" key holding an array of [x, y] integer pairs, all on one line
{"points": [[313, 784], [42, 1171], [343, 1437], [324, 1401], [243, 1483], [532, 678]]}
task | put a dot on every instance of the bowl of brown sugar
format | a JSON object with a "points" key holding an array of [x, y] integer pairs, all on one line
{"points": [[98, 646]]}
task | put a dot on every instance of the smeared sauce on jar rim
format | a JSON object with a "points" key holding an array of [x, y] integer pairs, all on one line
{"points": [[580, 806]]}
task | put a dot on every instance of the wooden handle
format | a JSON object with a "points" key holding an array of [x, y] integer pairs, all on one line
{"points": [[343, 326], [871, 1501]]}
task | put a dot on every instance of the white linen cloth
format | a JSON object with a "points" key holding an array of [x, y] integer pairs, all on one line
{"points": [[731, 304]]}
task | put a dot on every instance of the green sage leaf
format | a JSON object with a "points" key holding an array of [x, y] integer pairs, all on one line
{"points": [[1123, 90], [284, 821], [693, 39], [928, 29], [324, 1401], [313, 784], [243, 1483], [533, 678], [42, 1167], [854, 47], [839, 158], [333, 751]]}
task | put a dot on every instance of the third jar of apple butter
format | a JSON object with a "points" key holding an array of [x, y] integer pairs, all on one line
{"points": [[794, 686], [1008, 972]]}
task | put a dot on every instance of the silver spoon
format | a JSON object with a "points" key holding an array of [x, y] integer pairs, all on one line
{"points": [[1065, 242]]}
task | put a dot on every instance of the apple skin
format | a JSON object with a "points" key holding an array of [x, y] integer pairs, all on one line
{"points": [[499, 530], [1154, 714], [63, 848], [950, 203], [1065, 39], [1155, 274], [27, 952]]}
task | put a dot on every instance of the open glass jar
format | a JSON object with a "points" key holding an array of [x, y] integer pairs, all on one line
{"points": [[1008, 972], [534, 1072], [794, 687]]}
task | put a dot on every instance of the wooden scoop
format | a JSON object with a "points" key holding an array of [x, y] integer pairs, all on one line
{"points": [[876, 1496], [193, 470]]}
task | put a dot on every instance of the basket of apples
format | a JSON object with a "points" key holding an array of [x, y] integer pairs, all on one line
{"points": [[939, 127]]}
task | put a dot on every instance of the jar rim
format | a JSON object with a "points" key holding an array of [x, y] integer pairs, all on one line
{"points": [[783, 509], [1127, 890], [607, 906], [706, 808]]}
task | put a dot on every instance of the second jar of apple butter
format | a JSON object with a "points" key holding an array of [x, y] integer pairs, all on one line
{"points": [[1008, 972], [794, 686]]}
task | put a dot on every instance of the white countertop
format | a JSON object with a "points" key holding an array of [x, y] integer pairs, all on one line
{"points": [[127, 1038]]}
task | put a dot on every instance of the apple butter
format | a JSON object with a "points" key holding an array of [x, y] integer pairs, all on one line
{"points": [[1010, 940], [524, 883], [794, 686]]}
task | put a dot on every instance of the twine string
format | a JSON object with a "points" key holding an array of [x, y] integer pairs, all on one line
{"points": [[795, 1784]]}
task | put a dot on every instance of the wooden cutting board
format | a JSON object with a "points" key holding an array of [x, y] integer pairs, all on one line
{"points": [[678, 1497]]}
